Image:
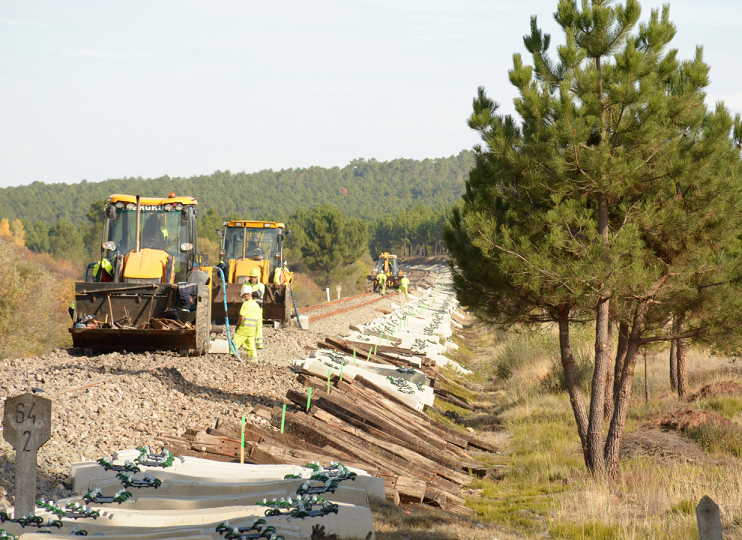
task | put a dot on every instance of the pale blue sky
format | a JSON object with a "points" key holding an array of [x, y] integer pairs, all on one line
{"points": [[100, 89]]}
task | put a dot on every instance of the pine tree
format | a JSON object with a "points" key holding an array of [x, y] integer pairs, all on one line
{"points": [[328, 242], [612, 201]]}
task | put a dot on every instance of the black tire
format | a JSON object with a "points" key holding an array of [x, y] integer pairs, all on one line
{"points": [[203, 318]]}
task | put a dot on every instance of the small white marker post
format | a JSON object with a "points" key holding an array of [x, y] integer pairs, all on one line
{"points": [[27, 425]]}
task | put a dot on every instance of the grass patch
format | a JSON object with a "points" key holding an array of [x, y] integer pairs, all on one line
{"points": [[460, 391], [522, 349], [717, 439], [514, 505], [728, 407], [446, 406], [446, 421], [684, 507], [396, 515], [592, 529]]}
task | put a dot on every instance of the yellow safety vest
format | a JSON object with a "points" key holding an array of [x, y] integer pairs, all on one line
{"points": [[252, 315]]}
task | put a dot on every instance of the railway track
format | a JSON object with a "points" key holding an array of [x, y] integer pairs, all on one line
{"points": [[318, 312]]}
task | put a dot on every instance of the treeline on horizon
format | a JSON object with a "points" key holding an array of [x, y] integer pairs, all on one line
{"points": [[403, 203]]}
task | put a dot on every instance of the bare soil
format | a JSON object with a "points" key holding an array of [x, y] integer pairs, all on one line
{"points": [[719, 388], [689, 418]]}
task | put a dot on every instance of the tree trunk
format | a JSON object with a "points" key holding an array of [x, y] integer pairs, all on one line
{"points": [[623, 345], [609, 378], [674, 360], [595, 462], [623, 396], [573, 386], [646, 381], [681, 351]]}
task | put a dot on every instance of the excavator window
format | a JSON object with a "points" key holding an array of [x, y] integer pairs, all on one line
{"points": [[160, 230], [252, 243]]}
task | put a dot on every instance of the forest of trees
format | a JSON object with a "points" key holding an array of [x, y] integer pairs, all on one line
{"points": [[403, 203]]}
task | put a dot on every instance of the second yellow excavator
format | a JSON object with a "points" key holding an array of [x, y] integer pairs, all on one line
{"points": [[246, 246], [388, 264]]}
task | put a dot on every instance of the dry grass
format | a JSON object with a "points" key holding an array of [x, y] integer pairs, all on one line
{"points": [[543, 487], [412, 522]]}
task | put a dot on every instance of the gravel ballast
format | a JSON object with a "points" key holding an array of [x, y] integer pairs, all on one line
{"points": [[119, 400]]}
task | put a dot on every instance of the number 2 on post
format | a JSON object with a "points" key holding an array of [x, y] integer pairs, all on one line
{"points": [[27, 435]]}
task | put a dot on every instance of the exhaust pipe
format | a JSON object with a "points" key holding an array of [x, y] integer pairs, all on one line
{"points": [[138, 245]]}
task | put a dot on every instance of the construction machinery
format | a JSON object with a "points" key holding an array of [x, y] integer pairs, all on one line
{"points": [[247, 245], [388, 264], [150, 289]]}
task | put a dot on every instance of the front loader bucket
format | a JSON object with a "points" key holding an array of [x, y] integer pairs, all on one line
{"points": [[134, 340], [145, 316], [276, 304]]}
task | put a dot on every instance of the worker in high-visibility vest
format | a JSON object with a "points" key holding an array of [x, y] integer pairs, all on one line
{"points": [[279, 276], [381, 278], [253, 285], [250, 319], [103, 270], [404, 292]]}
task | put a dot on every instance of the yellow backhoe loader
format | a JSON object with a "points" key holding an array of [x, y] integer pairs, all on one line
{"points": [[150, 289], [247, 245], [388, 264]]}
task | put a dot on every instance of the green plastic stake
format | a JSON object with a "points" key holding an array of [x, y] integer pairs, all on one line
{"points": [[354, 357], [309, 398], [369, 355], [376, 347], [329, 380], [341, 372], [283, 417], [242, 443]]}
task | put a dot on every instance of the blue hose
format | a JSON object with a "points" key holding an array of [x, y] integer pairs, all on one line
{"points": [[232, 348]]}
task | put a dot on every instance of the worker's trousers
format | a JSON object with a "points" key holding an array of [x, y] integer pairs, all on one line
{"points": [[403, 296], [249, 341]]}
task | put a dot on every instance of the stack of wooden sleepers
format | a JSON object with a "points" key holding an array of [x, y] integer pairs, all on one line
{"points": [[360, 425]]}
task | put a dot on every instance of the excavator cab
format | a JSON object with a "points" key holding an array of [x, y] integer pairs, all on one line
{"points": [[164, 249], [156, 291], [247, 245]]}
